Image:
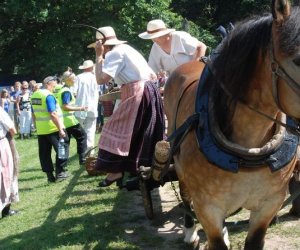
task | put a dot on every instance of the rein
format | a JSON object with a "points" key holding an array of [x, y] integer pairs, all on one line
{"points": [[179, 100], [295, 130], [278, 71]]}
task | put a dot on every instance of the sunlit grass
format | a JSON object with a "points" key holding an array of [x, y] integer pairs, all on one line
{"points": [[72, 214]]}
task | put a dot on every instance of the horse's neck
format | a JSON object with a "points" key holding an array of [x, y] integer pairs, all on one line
{"points": [[251, 129]]}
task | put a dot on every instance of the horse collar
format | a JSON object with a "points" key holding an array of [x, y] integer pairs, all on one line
{"points": [[230, 156]]}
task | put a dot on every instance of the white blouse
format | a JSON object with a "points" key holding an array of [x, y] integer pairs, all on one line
{"points": [[183, 48], [125, 65]]}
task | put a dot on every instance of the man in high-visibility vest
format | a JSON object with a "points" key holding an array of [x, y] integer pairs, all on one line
{"points": [[50, 128], [66, 102]]}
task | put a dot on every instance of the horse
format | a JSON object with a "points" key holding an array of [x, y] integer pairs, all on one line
{"points": [[253, 86]]}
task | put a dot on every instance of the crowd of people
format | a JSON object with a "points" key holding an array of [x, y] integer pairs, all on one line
{"points": [[16, 102], [69, 106]]}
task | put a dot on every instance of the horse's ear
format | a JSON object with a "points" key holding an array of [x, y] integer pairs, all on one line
{"points": [[281, 9]]}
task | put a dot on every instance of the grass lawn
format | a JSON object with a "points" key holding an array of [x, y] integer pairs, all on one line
{"points": [[72, 214], [76, 214]]}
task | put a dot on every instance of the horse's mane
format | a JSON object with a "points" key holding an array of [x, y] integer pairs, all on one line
{"points": [[236, 59]]}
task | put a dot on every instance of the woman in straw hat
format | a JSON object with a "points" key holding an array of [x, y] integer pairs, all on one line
{"points": [[171, 48], [129, 137]]}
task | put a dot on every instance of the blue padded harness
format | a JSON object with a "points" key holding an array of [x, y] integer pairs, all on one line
{"points": [[223, 157]]}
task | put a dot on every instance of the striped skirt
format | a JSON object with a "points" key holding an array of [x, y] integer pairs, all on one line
{"points": [[148, 128]]}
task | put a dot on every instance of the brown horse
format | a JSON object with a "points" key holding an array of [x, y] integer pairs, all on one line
{"points": [[254, 83]]}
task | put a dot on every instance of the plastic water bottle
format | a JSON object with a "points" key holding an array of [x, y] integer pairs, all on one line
{"points": [[83, 115], [61, 149]]}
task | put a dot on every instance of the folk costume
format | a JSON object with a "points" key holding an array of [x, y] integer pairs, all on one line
{"points": [[9, 191], [128, 138]]}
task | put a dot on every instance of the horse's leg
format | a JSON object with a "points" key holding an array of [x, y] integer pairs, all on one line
{"points": [[217, 235], [258, 225], [212, 220], [294, 185], [190, 228]]}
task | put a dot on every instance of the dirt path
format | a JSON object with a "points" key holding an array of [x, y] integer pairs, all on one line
{"points": [[165, 230]]}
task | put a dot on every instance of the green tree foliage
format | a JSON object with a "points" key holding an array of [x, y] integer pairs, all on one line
{"points": [[209, 14], [38, 37]]}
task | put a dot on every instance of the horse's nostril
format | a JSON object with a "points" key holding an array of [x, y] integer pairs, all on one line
{"points": [[297, 60]]}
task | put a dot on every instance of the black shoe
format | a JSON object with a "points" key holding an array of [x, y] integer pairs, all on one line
{"points": [[106, 182], [132, 183], [61, 176], [8, 212], [50, 177]]}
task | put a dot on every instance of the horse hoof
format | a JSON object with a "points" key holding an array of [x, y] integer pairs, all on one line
{"points": [[191, 235], [226, 237]]}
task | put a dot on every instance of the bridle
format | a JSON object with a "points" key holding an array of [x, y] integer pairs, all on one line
{"points": [[279, 72]]}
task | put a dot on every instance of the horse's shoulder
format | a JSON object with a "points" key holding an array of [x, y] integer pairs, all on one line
{"points": [[185, 74]]}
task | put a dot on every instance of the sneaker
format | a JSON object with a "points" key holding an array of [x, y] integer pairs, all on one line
{"points": [[50, 177], [61, 176]]}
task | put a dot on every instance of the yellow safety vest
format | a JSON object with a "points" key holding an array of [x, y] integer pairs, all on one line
{"points": [[58, 87], [69, 118], [44, 124]]}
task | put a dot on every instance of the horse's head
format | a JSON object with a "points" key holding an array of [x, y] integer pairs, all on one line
{"points": [[285, 57]]}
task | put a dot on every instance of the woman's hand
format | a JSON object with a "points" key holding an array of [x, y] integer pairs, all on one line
{"points": [[99, 48]]}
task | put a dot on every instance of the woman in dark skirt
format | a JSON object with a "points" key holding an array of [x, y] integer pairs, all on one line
{"points": [[128, 139]]}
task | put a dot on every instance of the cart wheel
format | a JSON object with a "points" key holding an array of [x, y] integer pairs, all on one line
{"points": [[147, 200]]}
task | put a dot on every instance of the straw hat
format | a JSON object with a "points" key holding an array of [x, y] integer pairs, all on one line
{"points": [[86, 64], [155, 28], [110, 35]]}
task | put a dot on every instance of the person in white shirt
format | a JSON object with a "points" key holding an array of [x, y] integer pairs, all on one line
{"points": [[171, 48], [128, 138], [24, 111], [87, 95]]}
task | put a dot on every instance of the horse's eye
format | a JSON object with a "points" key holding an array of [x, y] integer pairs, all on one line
{"points": [[297, 60]]}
